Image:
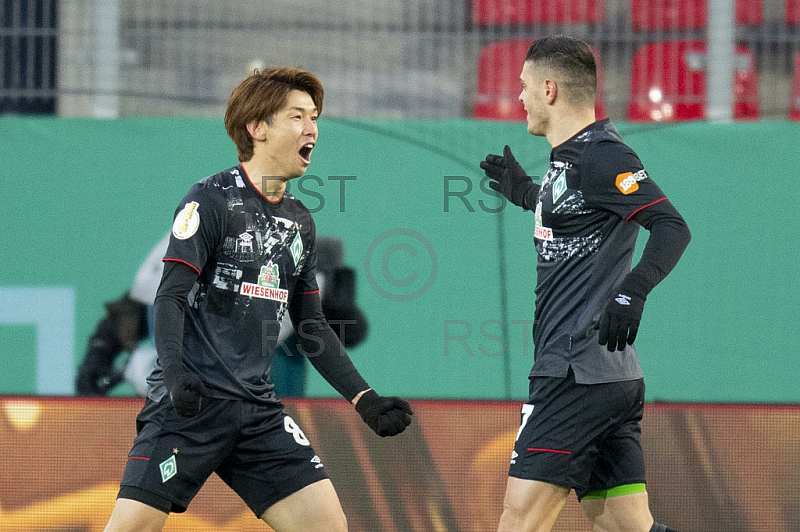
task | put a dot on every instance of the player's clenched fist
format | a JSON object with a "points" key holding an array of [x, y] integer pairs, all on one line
{"points": [[387, 416], [185, 390]]}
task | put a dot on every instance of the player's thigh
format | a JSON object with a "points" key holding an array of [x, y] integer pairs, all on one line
{"points": [[314, 508], [624, 513], [135, 516], [531, 505], [272, 459], [172, 455], [619, 468], [563, 425]]}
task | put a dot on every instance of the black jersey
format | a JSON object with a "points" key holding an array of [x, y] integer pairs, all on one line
{"points": [[585, 242], [252, 256]]}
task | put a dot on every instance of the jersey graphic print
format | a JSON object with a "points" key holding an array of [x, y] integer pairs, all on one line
{"points": [[556, 213], [260, 249], [253, 255]]}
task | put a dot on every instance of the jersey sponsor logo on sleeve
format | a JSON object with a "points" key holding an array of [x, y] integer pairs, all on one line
{"points": [[187, 221], [628, 182]]}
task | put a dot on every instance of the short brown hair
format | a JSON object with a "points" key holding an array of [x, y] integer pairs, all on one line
{"points": [[260, 96], [573, 60]]}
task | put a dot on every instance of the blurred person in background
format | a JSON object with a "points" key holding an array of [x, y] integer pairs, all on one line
{"points": [[127, 327], [242, 253], [580, 428]]}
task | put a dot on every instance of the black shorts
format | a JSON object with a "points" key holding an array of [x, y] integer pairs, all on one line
{"points": [[256, 449], [582, 436]]}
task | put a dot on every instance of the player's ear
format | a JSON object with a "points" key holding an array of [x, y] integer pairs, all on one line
{"points": [[257, 130], [550, 91]]}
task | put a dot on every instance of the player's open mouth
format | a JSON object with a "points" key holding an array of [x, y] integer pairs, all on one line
{"points": [[305, 152]]}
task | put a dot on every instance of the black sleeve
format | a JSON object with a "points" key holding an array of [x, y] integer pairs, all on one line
{"points": [[669, 236], [176, 282], [307, 280], [322, 347], [614, 179], [198, 226]]}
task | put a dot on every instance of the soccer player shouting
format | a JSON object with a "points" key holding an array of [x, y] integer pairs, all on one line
{"points": [[241, 254], [581, 425]]}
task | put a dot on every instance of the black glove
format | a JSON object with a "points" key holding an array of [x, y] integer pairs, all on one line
{"points": [[185, 390], [508, 178], [387, 416], [619, 321]]}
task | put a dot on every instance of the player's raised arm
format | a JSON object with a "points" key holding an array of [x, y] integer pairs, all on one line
{"points": [[508, 178]]}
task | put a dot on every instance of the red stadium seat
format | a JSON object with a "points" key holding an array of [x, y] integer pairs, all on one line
{"points": [[794, 105], [668, 83], [493, 12], [682, 14], [498, 86], [793, 12]]}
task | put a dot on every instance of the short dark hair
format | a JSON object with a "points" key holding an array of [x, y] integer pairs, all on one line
{"points": [[260, 96], [571, 58]]}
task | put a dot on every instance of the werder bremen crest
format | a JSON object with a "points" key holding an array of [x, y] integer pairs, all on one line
{"points": [[169, 468], [296, 248]]}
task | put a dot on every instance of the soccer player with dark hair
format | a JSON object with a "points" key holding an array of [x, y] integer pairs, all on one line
{"points": [[242, 254], [580, 428]]}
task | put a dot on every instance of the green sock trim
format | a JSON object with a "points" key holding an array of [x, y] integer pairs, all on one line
{"points": [[625, 489]]}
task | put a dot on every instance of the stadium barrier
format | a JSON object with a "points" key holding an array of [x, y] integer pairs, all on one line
{"points": [[710, 467]]}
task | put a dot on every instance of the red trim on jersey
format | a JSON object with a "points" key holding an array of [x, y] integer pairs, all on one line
{"points": [[535, 449], [257, 190], [628, 219], [138, 458], [192, 266], [309, 293]]}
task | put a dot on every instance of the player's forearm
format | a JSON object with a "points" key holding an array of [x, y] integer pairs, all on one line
{"points": [[168, 311], [327, 354], [320, 344], [669, 236]]}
